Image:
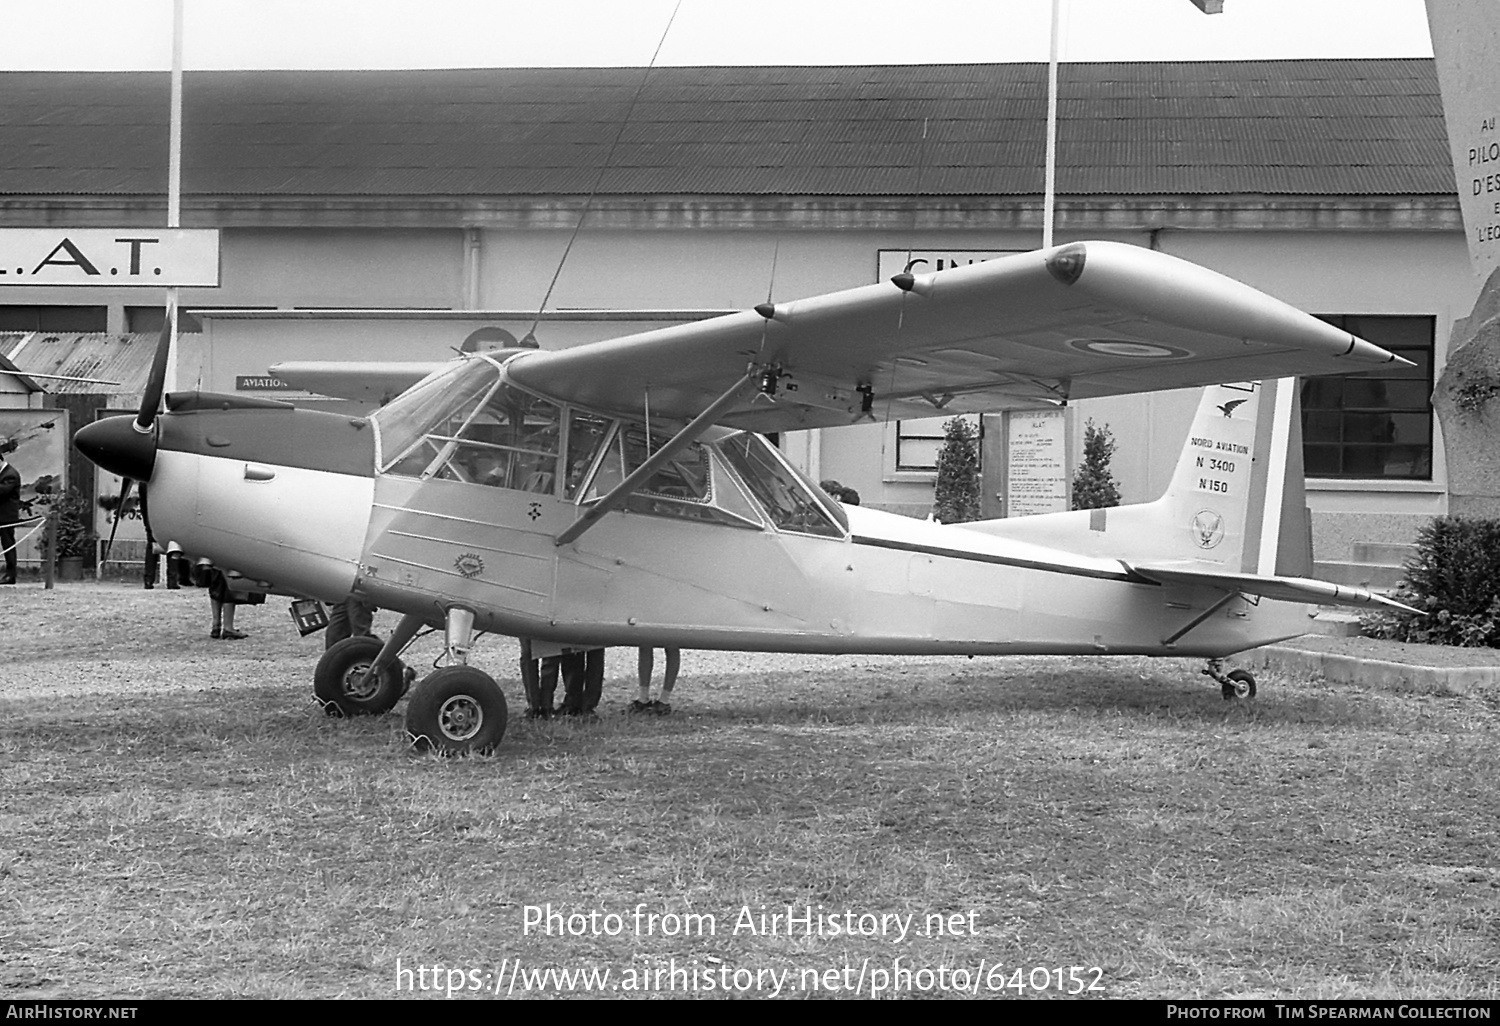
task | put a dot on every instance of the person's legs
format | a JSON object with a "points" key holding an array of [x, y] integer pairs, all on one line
{"points": [[644, 665], [572, 667], [217, 609], [8, 542], [230, 634], [546, 686], [338, 627], [593, 679], [669, 675]]}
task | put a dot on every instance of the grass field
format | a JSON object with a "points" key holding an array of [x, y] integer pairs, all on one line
{"points": [[177, 819]]}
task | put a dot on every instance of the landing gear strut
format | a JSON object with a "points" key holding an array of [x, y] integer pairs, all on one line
{"points": [[1234, 683], [457, 709]]}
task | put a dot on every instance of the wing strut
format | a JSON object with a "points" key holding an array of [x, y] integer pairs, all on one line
{"points": [[1230, 596], [658, 459]]}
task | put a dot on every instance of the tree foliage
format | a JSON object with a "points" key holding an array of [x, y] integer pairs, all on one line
{"points": [[1454, 576], [1094, 486], [956, 498]]}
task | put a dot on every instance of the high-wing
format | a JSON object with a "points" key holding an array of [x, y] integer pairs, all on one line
{"points": [[1023, 331], [1078, 321]]}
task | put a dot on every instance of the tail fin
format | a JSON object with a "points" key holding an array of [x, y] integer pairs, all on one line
{"points": [[1207, 514]]}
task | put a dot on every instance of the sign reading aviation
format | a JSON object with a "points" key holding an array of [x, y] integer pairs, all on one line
{"points": [[114, 257]]}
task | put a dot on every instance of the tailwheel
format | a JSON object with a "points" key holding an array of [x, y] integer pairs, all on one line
{"points": [[456, 710], [1233, 684], [1240, 684], [346, 687]]}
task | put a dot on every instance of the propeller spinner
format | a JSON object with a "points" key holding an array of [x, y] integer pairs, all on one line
{"points": [[127, 447]]}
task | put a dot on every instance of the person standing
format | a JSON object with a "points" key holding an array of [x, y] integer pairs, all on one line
{"points": [[583, 682], [10, 515], [643, 702], [350, 618]]}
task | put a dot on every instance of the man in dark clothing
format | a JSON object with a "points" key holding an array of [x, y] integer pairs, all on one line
{"points": [[10, 514], [583, 682]]}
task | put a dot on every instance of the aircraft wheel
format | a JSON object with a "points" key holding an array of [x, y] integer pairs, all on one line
{"points": [[1239, 684], [456, 710], [337, 681]]}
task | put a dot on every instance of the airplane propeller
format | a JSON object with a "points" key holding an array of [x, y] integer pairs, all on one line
{"points": [[127, 447], [119, 511]]}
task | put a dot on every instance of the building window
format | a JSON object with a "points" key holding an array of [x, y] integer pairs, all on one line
{"points": [[917, 444], [54, 318], [1375, 425]]}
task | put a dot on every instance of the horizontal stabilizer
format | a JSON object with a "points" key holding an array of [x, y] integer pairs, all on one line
{"points": [[1284, 589]]}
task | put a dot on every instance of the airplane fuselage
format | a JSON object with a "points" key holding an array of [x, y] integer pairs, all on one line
{"points": [[877, 583]]}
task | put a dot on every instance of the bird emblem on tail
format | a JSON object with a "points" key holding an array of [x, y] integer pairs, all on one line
{"points": [[1228, 408]]}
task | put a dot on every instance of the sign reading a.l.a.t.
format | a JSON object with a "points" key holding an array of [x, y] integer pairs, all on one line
{"points": [[111, 257]]}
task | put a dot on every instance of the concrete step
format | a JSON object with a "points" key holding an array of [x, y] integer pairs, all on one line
{"points": [[1382, 553], [1380, 576]]}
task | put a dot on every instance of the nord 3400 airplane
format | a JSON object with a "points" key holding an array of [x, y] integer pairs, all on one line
{"points": [[621, 492]]}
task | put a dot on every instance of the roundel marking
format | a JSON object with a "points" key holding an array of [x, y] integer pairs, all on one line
{"points": [[1129, 349]]}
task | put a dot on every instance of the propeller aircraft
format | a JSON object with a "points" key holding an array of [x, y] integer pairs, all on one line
{"points": [[622, 492]]}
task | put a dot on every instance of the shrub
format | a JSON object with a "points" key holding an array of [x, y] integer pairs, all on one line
{"points": [[956, 498], [75, 534], [1094, 486], [1454, 576]]}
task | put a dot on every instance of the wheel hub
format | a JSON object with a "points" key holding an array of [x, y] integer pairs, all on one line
{"points": [[460, 718], [358, 686]]}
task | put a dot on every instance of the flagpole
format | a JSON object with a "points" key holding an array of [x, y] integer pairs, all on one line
{"points": [[174, 183], [1050, 197]]}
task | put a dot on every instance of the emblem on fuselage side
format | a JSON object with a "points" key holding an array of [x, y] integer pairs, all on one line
{"points": [[1208, 528], [469, 564]]}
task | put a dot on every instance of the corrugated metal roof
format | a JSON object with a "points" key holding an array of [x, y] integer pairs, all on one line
{"points": [[1315, 127], [83, 362]]}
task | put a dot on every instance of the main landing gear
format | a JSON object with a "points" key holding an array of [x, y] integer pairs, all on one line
{"points": [[454, 710], [457, 709], [1234, 684], [348, 684]]}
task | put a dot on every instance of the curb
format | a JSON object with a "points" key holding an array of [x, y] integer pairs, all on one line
{"points": [[1455, 680]]}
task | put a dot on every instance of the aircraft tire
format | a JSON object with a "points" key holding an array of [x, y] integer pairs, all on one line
{"points": [[1231, 692], [336, 681], [456, 710]]}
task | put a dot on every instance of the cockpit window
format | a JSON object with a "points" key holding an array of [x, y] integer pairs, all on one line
{"points": [[465, 425], [438, 404], [691, 485], [586, 433], [789, 503], [510, 442]]}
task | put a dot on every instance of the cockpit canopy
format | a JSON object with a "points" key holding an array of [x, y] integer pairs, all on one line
{"points": [[468, 424]]}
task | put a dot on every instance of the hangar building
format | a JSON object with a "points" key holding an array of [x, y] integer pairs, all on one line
{"points": [[391, 214]]}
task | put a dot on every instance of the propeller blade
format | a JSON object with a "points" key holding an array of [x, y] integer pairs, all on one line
{"points": [[119, 512], [156, 381]]}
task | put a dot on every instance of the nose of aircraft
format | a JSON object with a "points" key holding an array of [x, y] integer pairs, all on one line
{"points": [[119, 446]]}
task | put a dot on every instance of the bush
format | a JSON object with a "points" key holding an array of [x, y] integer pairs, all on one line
{"points": [[1454, 576], [1093, 485], [956, 498], [74, 524]]}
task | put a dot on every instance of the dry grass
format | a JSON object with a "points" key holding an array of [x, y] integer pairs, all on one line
{"points": [[177, 819]]}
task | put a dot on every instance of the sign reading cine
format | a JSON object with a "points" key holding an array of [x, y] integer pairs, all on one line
{"points": [[110, 257]]}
